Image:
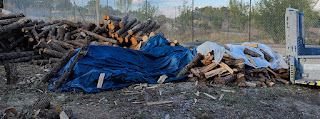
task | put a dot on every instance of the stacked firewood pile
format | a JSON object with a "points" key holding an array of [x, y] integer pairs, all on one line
{"points": [[47, 42], [232, 71], [130, 33]]}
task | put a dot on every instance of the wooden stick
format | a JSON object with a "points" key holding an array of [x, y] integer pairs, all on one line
{"points": [[158, 103]]}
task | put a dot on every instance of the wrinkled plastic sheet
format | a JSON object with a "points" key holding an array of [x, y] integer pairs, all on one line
{"points": [[124, 67], [237, 52]]}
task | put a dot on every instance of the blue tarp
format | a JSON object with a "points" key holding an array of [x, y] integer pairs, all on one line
{"points": [[124, 67]]}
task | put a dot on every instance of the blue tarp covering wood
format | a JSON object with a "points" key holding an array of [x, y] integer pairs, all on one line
{"points": [[124, 67]]}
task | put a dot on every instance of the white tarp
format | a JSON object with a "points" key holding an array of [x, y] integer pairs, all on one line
{"points": [[237, 52]]}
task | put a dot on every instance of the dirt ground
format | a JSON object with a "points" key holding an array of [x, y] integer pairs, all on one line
{"points": [[280, 101]]}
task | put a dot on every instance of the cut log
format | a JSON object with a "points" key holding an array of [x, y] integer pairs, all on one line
{"points": [[41, 44], [234, 62], [75, 43], [215, 72], [123, 21], [8, 21], [138, 27], [54, 71], [209, 67], [114, 18], [60, 33], [23, 59], [269, 83], [99, 37], [15, 55], [11, 73], [90, 26], [15, 25], [251, 53], [9, 16], [283, 81], [125, 28], [16, 43], [190, 65], [251, 45], [63, 44], [251, 61], [138, 47], [42, 34], [67, 73], [223, 45], [240, 65], [72, 24], [52, 33], [53, 53], [241, 80], [67, 36], [263, 84], [54, 60], [197, 73], [56, 46], [225, 80], [155, 28], [147, 28], [225, 66], [267, 56]]}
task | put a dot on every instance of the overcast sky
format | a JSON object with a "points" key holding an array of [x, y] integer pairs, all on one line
{"points": [[170, 7]]}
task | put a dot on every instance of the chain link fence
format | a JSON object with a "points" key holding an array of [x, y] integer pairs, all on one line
{"points": [[186, 20]]}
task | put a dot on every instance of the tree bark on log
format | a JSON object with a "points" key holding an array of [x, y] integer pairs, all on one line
{"points": [[8, 21], [14, 55], [53, 53], [114, 18], [126, 27], [226, 80], [75, 43], [15, 25], [251, 53], [63, 44], [15, 43], [90, 26], [191, 64], [23, 59], [56, 47], [147, 28], [9, 16], [99, 37], [123, 21], [267, 56], [60, 33], [67, 73], [54, 71], [72, 24]]}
